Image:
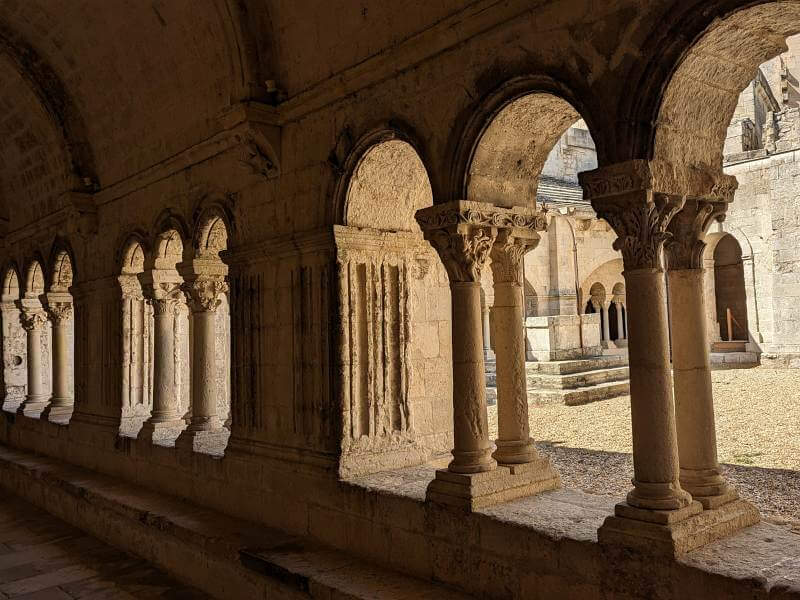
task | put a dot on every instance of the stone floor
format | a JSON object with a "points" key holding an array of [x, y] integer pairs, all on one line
{"points": [[42, 558]]}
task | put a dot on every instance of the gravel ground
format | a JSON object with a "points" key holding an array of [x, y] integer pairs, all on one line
{"points": [[758, 437]]}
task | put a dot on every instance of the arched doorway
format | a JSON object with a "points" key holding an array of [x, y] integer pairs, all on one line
{"points": [[729, 289]]}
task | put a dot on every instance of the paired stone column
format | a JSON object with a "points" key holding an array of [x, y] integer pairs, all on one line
{"points": [[694, 401], [606, 311], [514, 445], [464, 233], [640, 199], [205, 294], [61, 403], [165, 421], [620, 321], [34, 321]]}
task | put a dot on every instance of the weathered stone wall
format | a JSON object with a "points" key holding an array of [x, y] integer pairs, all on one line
{"points": [[764, 220]]}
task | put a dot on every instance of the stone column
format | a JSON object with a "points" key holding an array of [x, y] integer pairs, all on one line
{"points": [[464, 250], [639, 217], [487, 349], [514, 444], [620, 324], [694, 402], [204, 294], [463, 233], [34, 320], [606, 312], [165, 421], [61, 402]]}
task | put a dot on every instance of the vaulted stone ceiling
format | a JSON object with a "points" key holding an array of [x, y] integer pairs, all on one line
{"points": [[93, 92]]}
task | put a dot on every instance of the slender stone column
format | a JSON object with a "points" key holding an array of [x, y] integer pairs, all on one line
{"points": [[33, 320], [205, 294], [605, 307], [61, 402], [487, 349], [620, 325], [165, 421], [464, 250], [694, 402], [464, 233], [640, 216], [514, 444]]}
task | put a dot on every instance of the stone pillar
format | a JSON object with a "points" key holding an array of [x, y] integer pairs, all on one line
{"points": [[694, 402], [606, 306], [620, 324], [487, 349], [514, 445], [34, 320], [165, 421], [205, 430], [639, 199], [61, 402], [463, 234]]}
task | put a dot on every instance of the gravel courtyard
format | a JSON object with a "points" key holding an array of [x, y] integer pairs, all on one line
{"points": [[758, 436]]}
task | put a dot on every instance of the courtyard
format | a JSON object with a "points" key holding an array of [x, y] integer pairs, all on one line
{"points": [[757, 419]]}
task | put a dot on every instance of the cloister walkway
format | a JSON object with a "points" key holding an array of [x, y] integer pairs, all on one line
{"points": [[43, 558]]}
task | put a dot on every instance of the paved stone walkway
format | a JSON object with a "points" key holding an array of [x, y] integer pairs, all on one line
{"points": [[42, 558]]}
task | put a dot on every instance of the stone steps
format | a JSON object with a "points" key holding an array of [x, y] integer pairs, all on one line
{"points": [[537, 381], [579, 365], [582, 395]]}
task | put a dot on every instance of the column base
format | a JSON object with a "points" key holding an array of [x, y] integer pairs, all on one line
{"points": [[674, 532], [515, 452], [58, 412], [480, 490], [206, 441], [162, 432], [708, 487], [33, 406]]}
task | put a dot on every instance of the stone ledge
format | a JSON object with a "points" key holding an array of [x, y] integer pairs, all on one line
{"points": [[481, 490], [224, 556], [675, 532]]}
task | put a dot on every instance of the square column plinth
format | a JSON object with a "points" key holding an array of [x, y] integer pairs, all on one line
{"points": [[474, 491], [674, 532]]}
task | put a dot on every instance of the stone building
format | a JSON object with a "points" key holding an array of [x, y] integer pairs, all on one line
{"points": [[242, 313]]}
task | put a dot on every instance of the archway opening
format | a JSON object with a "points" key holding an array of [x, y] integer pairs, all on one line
{"points": [[137, 342], [729, 290], [395, 304], [14, 375]]}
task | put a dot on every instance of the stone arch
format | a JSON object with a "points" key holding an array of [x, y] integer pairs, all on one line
{"points": [[387, 183], [729, 288], [11, 284], [34, 278], [62, 270], [13, 375], [701, 93], [508, 140], [172, 241], [132, 255], [213, 230], [137, 336]]}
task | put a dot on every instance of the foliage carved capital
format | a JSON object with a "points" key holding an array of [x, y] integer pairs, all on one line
{"points": [[507, 253], [687, 231], [464, 232], [32, 319], [60, 312], [205, 293]]}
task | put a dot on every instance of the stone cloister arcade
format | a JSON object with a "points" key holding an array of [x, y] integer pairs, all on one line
{"points": [[262, 301]]}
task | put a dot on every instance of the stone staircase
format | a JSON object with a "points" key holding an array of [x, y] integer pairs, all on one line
{"points": [[570, 382], [578, 381]]}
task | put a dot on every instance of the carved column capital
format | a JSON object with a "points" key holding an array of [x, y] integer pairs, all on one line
{"points": [[464, 232], [32, 318], [165, 298], [507, 253], [640, 199], [687, 232], [60, 312], [130, 287], [205, 293]]}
